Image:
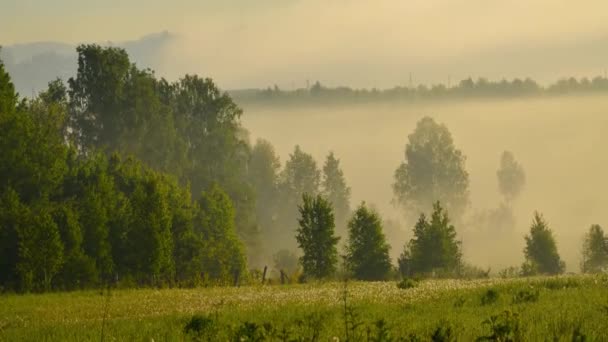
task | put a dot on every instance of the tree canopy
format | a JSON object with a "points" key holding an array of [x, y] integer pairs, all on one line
{"points": [[511, 176], [433, 170]]}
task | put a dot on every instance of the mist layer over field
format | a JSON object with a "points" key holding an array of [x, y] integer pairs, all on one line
{"points": [[557, 140]]}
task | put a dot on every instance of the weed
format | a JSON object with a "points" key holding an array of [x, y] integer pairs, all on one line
{"points": [[490, 297], [407, 283], [503, 328], [443, 333], [526, 296], [201, 328]]}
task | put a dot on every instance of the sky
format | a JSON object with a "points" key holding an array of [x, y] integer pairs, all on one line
{"points": [[360, 43]]}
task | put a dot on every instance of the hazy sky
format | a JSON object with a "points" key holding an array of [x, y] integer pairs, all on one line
{"points": [[354, 42]]}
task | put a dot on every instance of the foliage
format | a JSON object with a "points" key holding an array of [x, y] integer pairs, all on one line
{"points": [[434, 247], [511, 176], [541, 251], [367, 251], [504, 327], [490, 297], [263, 174], [433, 170], [336, 191], [595, 251], [444, 333], [315, 236], [407, 283]]}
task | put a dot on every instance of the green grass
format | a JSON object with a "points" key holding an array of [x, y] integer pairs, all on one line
{"points": [[542, 308]]}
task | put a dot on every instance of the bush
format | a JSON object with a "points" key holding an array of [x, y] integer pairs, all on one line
{"points": [[201, 327], [490, 297], [504, 327], [407, 283], [444, 333]]}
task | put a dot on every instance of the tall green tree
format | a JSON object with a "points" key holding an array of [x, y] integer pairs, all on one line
{"points": [[315, 236], [595, 250], [541, 251], [336, 191], [433, 170], [434, 247], [367, 251]]}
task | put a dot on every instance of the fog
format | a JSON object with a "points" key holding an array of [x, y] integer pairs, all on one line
{"points": [[557, 140]]}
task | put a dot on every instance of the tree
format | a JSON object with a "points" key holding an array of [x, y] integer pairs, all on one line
{"points": [[299, 176], [511, 176], [367, 251], [263, 175], [335, 190], [315, 236], [434, 246], [8, 96], [541, 250], [595, 250], [433, 170], [224, 257]]}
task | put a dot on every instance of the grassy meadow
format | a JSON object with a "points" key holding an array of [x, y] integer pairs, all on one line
{"points": [[562, 308]]}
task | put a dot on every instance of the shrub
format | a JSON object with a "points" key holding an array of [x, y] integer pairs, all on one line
{"points": [[201, 327], [443, 333], [490, 297], [504, 327], [407, 283]]}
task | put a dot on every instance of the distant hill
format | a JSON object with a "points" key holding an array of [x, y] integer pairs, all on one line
{"points": [[33, 65]]}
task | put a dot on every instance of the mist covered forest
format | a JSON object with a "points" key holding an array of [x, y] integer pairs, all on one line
{"points": [[117, 175]]}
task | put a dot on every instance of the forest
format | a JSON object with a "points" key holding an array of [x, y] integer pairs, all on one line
{"points": [[118, 177], [468, 88]]}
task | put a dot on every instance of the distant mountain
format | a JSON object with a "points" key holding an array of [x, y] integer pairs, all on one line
{"points": [[33, 65]]}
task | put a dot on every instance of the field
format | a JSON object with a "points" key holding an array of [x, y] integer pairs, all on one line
{"points": [[532, 309]]}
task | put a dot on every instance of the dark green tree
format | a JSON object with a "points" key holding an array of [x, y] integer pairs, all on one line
{"points": [[367, 255], [336, 191], [315, 237], [595, 251], [8, 95], [541, 251], [434, 247], [433, 170]]}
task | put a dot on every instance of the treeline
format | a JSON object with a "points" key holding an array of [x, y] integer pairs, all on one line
{"points": [[120, 177], [467, 88], [72, 216]]}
